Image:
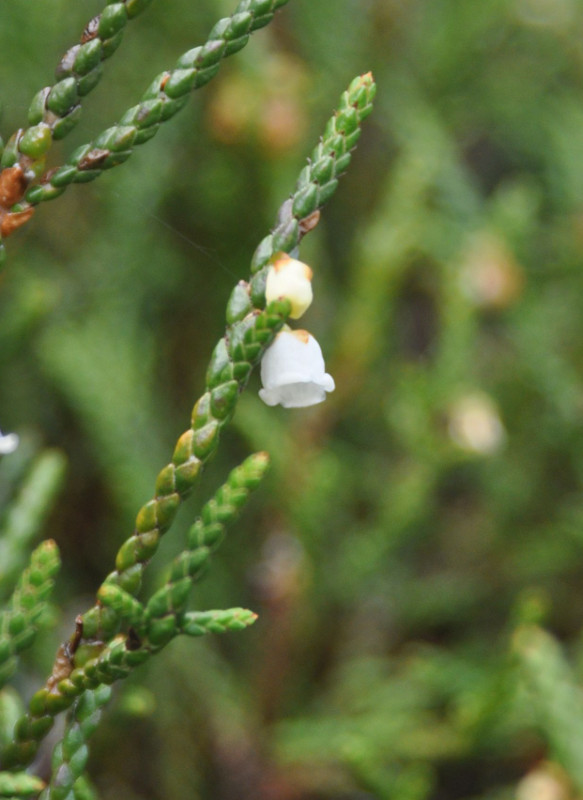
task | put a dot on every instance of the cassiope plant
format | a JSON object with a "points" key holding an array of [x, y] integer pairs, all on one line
{"points": [[123, 629]]}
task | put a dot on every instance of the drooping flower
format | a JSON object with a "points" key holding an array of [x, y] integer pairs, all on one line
{"points": [[292, 280], [293, 371], [8, 443]]}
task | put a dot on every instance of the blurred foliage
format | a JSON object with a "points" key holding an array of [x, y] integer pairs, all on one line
{"points": [[433, 505]]}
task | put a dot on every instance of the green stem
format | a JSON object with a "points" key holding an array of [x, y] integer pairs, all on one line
{"points": [[71, 753], [167, 94], [55, 110], [165, 97], [19, 785], [165, 609], [250, 330], [19, 622]]}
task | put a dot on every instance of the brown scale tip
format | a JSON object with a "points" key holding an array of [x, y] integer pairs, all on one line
{"points": [[91, 29], [12, 186], [12, 222], [308, 223], [94, 159]]}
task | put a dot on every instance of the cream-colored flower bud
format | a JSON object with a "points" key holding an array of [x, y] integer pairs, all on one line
{"points": [[291, 280]]}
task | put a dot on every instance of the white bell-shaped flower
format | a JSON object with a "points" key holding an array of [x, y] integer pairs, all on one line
{"points": [[292, 280], [8, 443], [293, 371]]}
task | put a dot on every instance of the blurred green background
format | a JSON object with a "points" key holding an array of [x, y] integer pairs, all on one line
{"points": [[416, 555]]}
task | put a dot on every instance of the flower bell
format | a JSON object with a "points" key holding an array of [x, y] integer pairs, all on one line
{"points": [[8, 443], [293, 371], [292, 280]]}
